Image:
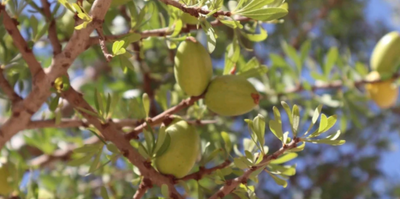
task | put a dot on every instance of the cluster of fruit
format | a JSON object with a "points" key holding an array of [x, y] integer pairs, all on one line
{"points": [[385, 60], [227, 95]]}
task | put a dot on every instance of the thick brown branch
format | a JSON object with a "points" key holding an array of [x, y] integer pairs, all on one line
{"points": [[157, 120], [232, 184], [7, 89], [111, 133], [143, 187], [103, 46], [52, 28], [42, 82], [202, 171], [195, 11], [11, 26]]}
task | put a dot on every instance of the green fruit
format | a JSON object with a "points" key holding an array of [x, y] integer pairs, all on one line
{"points": [[386, 54], [189, 19], [5, 187], [193, 67], [182, 152], [231, 95]]}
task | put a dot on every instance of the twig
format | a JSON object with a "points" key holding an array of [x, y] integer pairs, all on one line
{"points": [[11, 26], [162, 32], [195, 11], [52, 28], [334, 85], [8, 90], [163, 116], [202, 171], [230, 185], [70, 123], [111, 133], [60, 154], [144, 185], [103, 46]]}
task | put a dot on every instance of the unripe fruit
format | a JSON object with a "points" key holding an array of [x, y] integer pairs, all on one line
{"points": [[189, 19], [5, 187], [386, 54], [193, 67], [231, 95], [183, 150], [384, 94]]}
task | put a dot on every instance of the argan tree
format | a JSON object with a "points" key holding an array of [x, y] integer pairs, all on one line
{"points": [[191, 99]]}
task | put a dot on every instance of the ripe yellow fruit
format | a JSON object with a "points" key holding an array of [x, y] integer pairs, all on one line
{"points": [[193, 67], [384, 94], [189, 19], [231, 95], [5, 187], [183, 150], [386, 54]]}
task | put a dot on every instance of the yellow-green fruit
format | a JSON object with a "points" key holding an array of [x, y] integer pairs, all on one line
{"points": [[231, 95], [384, 94], [189, 19], [193, 67], [5, 187], [386, 54], [183, 150]]}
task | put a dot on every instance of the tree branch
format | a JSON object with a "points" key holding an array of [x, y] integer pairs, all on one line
{"points": [[162, 32], [202, 171], [11, 26], [103, 46], [52, 28], [70, 123], [42, 81], [230, 185], [144, 185], [195, 11], [163, 116], [111, 133], [8, 90]]}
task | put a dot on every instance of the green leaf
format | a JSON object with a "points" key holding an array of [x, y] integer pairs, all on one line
{"points": [[210, 157], [284, 158], [146, 103], [164, 147], [278, 180], [256, 37], [227, 141], [149, 138], [327, 141], [117, 47], [254, 72], [111, 147], [291, 52], [211, 35], [90, 148], [253, 5], [314, 119], [33, 22], [232, 23], [89, 112], [165, 191], [282, 170], [104, 193], [108, 104], [142, 150], [331, 59], [128, 39], [80, 161], [54, 103], [277, 60], [240, 163], [232, 55], [177, 28], [95, 162], [265, 14], [259, 128], [361, 69], [296, 119], [298, 148], [304, 50], [276, 124]]}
